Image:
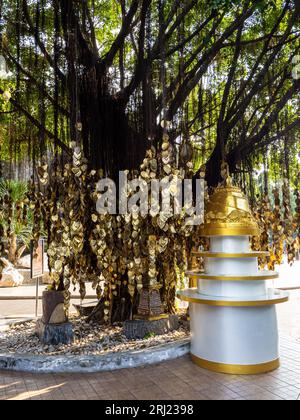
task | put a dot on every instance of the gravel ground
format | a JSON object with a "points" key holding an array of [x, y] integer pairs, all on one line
{"points": [[89, 340]]}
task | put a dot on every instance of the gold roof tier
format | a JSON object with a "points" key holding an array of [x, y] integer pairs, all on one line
{"points": [[228, 213]]}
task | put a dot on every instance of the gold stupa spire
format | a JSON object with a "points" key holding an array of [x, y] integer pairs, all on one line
{"points": [[228, 211]]}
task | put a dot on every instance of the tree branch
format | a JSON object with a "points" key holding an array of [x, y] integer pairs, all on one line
{"points": [[155, 52], [108, 59], [282, 133], [250, 144], [201, 27], [194, 76], [142, 63], [165, 35], [194, 56], [40, 44], [236, 109], [37, 124], [239, 154], [222, 126], [88, 57], [15, 62]]}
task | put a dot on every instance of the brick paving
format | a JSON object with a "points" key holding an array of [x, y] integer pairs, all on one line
{"points": [[174, 380]]}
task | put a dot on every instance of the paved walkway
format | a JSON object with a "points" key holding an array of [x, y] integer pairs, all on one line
{"points": [[14, 307], [175, 380], [289, 276], [178, 380], [30, 291]]}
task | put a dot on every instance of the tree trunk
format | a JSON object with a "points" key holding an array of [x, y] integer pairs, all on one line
{"points": [[213, 168], [122, 308], [13, 249], [110, 141], [98, 117]]}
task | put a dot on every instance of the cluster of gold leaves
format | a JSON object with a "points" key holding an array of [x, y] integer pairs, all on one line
{"points": [[2, 236], [263, 215], [289, 223], [279, 226], [61, 201], [144, 250], [6, 214], [297, 219], [197, 242], [11, 214], [115, 252]]}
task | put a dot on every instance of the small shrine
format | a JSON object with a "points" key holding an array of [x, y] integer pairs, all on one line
{"points": [[232, 311]]}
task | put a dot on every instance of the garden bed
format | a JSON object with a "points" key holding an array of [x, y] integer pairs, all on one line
{"points": [[90, 339]]}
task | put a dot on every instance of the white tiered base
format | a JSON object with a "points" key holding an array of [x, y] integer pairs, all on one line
{"points": [[234, 322], [236, 340]]}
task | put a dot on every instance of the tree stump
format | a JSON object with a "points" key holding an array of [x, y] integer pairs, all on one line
{"points": [[55, 334], [139, 329], [54, 327], [53, 307]]}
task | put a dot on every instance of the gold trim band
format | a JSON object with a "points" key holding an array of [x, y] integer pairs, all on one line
{"points": [[254, 254], [236, 369], [203, 276], [232, 303], [229, 231]]}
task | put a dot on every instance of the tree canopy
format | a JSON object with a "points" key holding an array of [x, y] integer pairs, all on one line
{"points": [[88, 85], [109, 75]]}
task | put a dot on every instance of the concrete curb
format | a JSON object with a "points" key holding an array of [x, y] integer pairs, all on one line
{"points": [[94, 364]]}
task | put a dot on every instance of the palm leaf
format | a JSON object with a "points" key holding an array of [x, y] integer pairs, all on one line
{"points": [[15, 189]]}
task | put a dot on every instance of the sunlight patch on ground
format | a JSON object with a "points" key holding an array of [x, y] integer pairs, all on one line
{"points": [[5, 386], [37, 393]]}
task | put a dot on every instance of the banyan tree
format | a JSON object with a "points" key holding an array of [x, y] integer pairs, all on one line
{"points": [[122, 81]]}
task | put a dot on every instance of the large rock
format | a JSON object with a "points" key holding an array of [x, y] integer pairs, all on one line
{"points": [[25, 261], [10, 276]]}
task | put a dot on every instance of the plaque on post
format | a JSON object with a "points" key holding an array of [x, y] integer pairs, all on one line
{"points": [[37, 267], [37, 259]]}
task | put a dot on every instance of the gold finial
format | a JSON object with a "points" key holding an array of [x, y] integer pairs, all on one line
{"points": [[228, 211]]}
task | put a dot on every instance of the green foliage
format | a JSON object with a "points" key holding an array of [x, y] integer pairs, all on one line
{"points": [[14, 193], [14, 189], [217, 4], [263, 6], [197, 115]]}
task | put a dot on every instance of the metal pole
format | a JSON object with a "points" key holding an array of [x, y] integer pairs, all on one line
{"points": [[37, 297]]}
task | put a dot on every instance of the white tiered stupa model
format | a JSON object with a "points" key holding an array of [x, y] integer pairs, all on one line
{"points": [[233, 315]]}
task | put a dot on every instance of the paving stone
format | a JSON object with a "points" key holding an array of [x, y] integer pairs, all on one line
{"points": [[273, 386]]}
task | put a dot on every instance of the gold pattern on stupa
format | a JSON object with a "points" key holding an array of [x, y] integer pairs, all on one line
{"points": [[228, 213]]}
